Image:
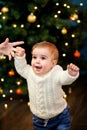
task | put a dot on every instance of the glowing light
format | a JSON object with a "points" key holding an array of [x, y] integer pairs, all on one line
{"points": [[73, 35], [2, 57], [35, 7], [57, 4], [68, 7], [66, 44], [14, 25], [22, 25], [65, 5], [0, 13], [3, 17], [78, 21], [3, 95], [10, 98], [28, 104], [76, 10], [0, 28], [63, 54], [5, 106], [18, 82], [74, 17], [65, 96], [81, 4], [11, 91], [59, 11], [38, 26], [70, 90], [55, 16], [2, 79]]}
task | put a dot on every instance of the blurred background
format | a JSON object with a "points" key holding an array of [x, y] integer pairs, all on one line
{"points": [[63, 23]]}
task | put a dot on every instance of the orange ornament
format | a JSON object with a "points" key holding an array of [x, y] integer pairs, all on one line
{"points": [[11, 73], [18, 91], [64, 31], [77, 54]]}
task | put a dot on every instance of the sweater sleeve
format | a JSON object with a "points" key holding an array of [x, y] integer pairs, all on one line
{"points": [[21, 66], [66, 79]]}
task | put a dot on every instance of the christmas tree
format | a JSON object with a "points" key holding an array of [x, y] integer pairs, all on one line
{"points": [[59, 22]]}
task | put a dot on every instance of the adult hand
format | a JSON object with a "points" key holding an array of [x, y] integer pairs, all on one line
{"points": [[6, 48]]}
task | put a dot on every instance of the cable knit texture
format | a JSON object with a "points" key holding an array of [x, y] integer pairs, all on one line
{"points": [[45, 92]]}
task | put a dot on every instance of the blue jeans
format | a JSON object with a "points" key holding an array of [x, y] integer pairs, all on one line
{"points": [[60, 122]]}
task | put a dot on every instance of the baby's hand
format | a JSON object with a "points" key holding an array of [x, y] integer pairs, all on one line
{"points": [[72, 69], [19, 51]]}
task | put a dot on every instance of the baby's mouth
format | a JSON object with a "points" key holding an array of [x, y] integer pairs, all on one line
{"points": [[38, 67]]}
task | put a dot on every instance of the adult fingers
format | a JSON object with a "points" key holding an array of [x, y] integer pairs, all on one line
{"points": [[17, 43]]}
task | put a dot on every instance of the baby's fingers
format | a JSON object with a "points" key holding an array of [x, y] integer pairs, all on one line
{"points": [[19, 51], [73, 67]]}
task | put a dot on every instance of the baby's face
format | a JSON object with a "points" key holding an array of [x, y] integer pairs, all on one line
{"points": [[42, 61]]}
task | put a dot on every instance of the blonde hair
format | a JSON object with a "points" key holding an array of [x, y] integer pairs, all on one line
{"points": [[52, 48]]}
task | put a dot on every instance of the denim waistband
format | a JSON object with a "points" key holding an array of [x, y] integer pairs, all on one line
{"points": [[53, 118]]}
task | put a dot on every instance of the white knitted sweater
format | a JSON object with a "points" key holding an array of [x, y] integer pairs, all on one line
{"points": [[45, 93]]}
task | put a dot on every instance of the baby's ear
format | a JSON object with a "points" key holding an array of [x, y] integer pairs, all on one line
{"points": [[54, 62]]}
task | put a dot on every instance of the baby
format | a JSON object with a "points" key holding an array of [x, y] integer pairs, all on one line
{"points": [[45, 78]]}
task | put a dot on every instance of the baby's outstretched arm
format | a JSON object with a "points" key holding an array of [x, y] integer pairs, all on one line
{"points": [[73, 70], [6, 48]]}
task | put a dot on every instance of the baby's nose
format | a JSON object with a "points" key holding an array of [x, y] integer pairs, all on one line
{"points": [[38, 60]]}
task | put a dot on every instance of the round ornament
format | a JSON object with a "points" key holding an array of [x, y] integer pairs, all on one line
{"points": [[77, 54], [64, 31], [1, 90], [11, 73], [5, 9], [31, 18], [18, 91]]}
